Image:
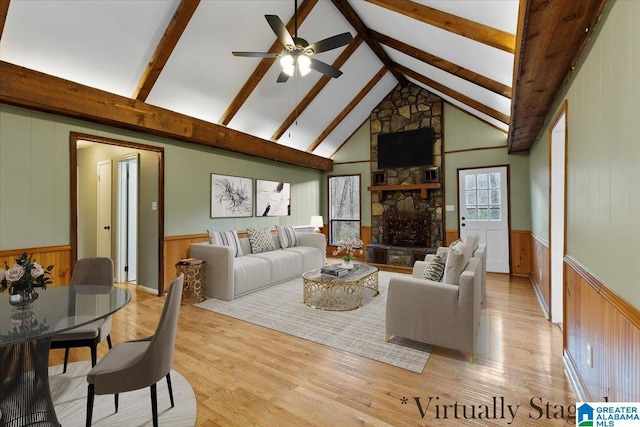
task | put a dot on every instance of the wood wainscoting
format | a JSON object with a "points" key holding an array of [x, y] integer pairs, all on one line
{"points": [[596, 316], [58, 256], [540, 274], [177, 248]]}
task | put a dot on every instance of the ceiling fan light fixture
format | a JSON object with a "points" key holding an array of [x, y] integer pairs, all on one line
{"points": [[286, 61], [304, 65]]}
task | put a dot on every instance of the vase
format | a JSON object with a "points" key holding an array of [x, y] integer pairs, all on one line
{"points": [[347, 264], [20, 300]]}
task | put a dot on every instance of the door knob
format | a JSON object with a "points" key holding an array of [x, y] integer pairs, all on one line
{"points": [[106, 227]]}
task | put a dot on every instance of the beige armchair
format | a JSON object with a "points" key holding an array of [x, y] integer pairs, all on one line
{"points": [[437, 313], [133, 365]]}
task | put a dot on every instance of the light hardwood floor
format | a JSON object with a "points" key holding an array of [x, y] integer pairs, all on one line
{"points": [[244, 374]]}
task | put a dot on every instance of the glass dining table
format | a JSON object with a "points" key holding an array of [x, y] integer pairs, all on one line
{"points": [[25, 337]]}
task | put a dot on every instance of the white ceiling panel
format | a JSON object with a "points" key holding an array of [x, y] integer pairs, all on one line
{"points": [[338, 93], [478, 93], [103, 44], [486, 60], [500, 14], [202, 77], [359, 114]]}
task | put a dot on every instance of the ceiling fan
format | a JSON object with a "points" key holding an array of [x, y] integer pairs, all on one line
{"points": [[298, 53]]}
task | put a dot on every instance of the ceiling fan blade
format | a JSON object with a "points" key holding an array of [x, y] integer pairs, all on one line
{"points": [[281, 31], [256, 54], [325, 68], [282, 77], [330, 43]]}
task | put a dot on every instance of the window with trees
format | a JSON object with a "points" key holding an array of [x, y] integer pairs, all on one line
{"points": [[344, 208]]}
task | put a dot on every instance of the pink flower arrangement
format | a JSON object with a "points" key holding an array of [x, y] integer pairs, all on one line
{"points": [[348, 249], [24, 275]]}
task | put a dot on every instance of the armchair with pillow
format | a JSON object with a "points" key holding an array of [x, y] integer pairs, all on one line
{"points": [[443, 312]]}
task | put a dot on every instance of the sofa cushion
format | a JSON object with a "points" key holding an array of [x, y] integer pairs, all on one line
{"points": [[250, 273], [287, 236], [284, 264], [454, 267], [312, 257], [226, 238], [435, 267], [261, 240]]}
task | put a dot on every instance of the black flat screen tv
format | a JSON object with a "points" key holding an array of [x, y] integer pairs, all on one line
{"points": [[405, 149]]}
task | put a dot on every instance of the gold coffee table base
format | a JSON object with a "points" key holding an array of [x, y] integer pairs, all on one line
{"points": [[338, 293]]}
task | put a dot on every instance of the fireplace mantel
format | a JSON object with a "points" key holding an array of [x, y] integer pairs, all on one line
{"points": [[380, 189]]}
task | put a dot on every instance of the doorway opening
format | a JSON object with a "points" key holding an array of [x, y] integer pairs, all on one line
{"points": [[149, 207], [557, 217]]}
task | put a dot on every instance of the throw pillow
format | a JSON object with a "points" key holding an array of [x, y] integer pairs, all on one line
{"points": [[287, 236], [473, 240], [261, 240], [435, 267], [465, 248], [226, 238], [454, 267]]}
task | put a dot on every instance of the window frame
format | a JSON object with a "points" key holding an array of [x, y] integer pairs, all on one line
{"points": [[331, 220]]}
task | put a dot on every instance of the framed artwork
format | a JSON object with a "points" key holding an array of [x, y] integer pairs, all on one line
{"points": [[273, 198], [231, 196]]}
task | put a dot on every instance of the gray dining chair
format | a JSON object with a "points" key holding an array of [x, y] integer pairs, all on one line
{"points": [[133, 365], [88, 271]]}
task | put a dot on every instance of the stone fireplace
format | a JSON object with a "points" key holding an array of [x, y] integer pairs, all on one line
{"points": [[406, 203]]}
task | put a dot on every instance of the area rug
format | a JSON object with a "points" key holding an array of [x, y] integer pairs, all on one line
{"points": [[69, 393], [360, 331]]}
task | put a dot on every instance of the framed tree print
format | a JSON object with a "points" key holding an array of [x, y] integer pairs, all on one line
{"points": [[231, 196], [273, 198]]}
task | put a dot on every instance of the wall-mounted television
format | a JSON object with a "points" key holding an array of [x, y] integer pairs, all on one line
{"points": [[405, 149]]}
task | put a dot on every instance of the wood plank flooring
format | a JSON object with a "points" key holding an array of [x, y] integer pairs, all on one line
{"points": [[244, 374]]}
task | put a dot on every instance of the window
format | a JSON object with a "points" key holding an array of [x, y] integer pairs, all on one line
{"points": [[482, 197], [344, 208]]}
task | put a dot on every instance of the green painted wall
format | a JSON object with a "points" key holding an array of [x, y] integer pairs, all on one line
{"points": [[35, 177], [539, 179], [464, 132], [603, 153]]}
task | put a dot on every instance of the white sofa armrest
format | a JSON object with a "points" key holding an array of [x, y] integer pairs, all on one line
{"points": [[419, 266], [219, 276], [316, 240]]}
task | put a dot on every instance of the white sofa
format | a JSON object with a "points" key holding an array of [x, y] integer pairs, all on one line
{"points": [[228, 277]]}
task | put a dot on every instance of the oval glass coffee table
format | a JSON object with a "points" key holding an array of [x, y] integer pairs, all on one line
{"points": [[343, 293]]}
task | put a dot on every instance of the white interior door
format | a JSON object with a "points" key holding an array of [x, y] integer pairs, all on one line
{"points": [[127, 219], [104, 209], [484, 211]]}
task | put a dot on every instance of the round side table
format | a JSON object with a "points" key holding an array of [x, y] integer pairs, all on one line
{"points": [[194, 278]]}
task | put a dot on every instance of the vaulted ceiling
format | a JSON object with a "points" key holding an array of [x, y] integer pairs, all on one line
{"points": [[170, 63]]}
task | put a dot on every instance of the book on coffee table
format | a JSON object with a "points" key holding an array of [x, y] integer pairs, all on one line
{"points": [[190, 261], [334, 270]]}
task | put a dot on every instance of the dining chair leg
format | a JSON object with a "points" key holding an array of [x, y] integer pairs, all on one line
{"points": [[154, 405], [90, 395], [109, 341], [94, 354], [66, 358], [170, 388], [116, 401]]}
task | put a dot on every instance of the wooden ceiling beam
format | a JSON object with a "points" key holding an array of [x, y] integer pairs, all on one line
{"points": [[553, 37], [27, 88], [317, 88], [443, 64], [4, 10], [350, 14], [455, 24], [345, 112], [454, 94], [168, 42], [265, 63]]}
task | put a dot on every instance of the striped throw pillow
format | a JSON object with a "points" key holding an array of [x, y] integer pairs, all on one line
{"points": [[261, 240], [287, 236], [226, 238], [435, 267]]}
